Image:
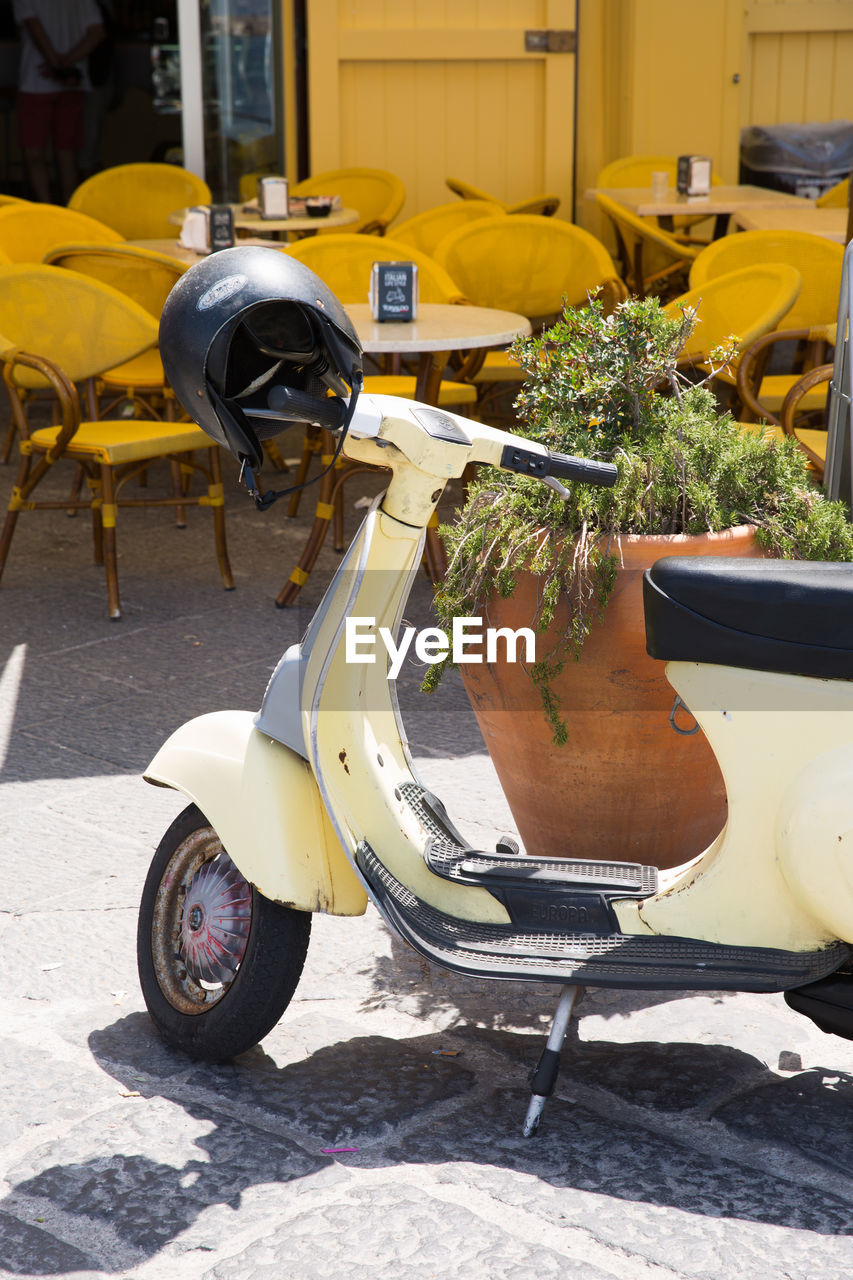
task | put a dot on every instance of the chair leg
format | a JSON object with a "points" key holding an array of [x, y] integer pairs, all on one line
{"points": [[76, 486], [273, 452], [216, 496], [8, 442], [178, 492], [322, 518], [338, 516], [12, 513], [313, 444], [6, 536], [109, 510]]}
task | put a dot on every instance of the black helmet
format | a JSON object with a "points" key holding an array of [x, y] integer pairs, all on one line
{"points": [[250, 340]]}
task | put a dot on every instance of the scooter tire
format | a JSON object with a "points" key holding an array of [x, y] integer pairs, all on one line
{"points": [[214, 1021]]}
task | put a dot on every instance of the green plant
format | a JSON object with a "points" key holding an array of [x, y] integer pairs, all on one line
{"points": [[609, 387]]}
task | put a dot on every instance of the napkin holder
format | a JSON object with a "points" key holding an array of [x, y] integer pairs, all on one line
{"points": [[393, 293], [207, 228], [272, 198], [694, 175]]}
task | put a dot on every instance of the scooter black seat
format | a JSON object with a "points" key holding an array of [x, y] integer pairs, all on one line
{"points": [[790, 616]]}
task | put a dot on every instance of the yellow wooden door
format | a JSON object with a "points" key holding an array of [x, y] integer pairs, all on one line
{"points": [[473, 89]]}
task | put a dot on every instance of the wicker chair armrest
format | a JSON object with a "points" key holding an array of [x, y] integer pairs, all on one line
{"points": [[58, 382], [814, 377]]}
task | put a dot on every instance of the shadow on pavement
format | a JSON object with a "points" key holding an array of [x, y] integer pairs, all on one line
{"points": [[225, 1129]]}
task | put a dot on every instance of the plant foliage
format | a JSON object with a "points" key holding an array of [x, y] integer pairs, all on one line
{"points": [[608, 387]]}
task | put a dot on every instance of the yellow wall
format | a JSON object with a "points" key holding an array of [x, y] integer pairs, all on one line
{"points": [[437, 88], [669, 77], [430, 88]]}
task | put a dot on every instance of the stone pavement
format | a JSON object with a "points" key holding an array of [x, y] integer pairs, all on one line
{"points": [[699, 1136]]}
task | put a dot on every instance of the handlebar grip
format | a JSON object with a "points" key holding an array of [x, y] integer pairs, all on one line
{"points": [[541, 465], [586, 470], [300, 406]]}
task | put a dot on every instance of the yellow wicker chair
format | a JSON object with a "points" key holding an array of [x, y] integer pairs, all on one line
{"points": [[811, 439], [148, 278], [819, 262], [743, 305], [61, 328], [376, 194], [543, 205], [529, 265], [136, 199], [426, 230], [29, 231], [344, 263], [652, 258], [837, 197]]}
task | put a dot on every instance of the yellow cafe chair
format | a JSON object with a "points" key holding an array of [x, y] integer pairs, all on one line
{"points": [[136, 199], [742, 305], [29, 230], [377, 195], [652, 259], [426, 230], [61, 328], [543, 205], [529, 265], [819, 262], [837, 197]]}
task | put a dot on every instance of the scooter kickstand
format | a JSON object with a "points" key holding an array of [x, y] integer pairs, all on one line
{"points": [[545, 1076]]}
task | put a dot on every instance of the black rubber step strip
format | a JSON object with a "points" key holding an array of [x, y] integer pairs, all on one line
{"points": [[617, 960]]}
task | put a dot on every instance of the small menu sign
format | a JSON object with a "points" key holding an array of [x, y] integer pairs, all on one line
{"points": [[394, 291], [694, 175], [220, 227]]}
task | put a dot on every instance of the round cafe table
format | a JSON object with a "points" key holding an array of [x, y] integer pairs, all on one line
{"points": [[439, 330], [251, 221]]}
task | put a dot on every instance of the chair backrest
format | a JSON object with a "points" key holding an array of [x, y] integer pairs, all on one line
{"points": [[636, 171], [467, 191], [837, 197], [145, 276], [344, 263], [746, 303], [376, 194], [426, 230], [633, 230], [29, 231], [542, 205], [817, 259], [525, 264], [136, 199], [83, 326]]}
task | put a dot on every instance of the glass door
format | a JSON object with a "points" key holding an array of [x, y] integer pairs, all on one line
{"points": [[231, 92]]}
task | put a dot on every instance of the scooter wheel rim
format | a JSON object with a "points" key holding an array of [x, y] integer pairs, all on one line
{"points": [[200, 929]]}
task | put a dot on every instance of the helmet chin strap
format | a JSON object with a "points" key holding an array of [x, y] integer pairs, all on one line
{"points": [[265, 500]]}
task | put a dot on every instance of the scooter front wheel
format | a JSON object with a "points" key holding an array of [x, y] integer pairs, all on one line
{"points": [[218, 962]]}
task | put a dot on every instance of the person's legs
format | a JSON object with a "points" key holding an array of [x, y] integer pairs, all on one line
{"points": [[34, 135], [68, 138]]}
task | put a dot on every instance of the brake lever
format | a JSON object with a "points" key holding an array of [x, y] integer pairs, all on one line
{"points": [[557, 487]]}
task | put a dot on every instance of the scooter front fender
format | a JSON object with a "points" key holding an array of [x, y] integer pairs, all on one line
{"points": [[263, 802]]}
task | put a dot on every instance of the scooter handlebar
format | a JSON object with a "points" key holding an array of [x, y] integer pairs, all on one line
{"points": [[558, 465]]}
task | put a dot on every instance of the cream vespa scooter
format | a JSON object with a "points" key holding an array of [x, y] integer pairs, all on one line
{"points": [[313, 804]]}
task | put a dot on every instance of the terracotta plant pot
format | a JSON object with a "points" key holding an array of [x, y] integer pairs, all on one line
{"points": [[625, 786]]}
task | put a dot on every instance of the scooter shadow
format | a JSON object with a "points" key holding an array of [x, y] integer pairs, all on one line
{"points": [[205, 1135]]}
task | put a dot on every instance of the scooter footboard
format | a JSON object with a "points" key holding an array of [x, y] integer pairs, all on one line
{"points": [[263, 802]]}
